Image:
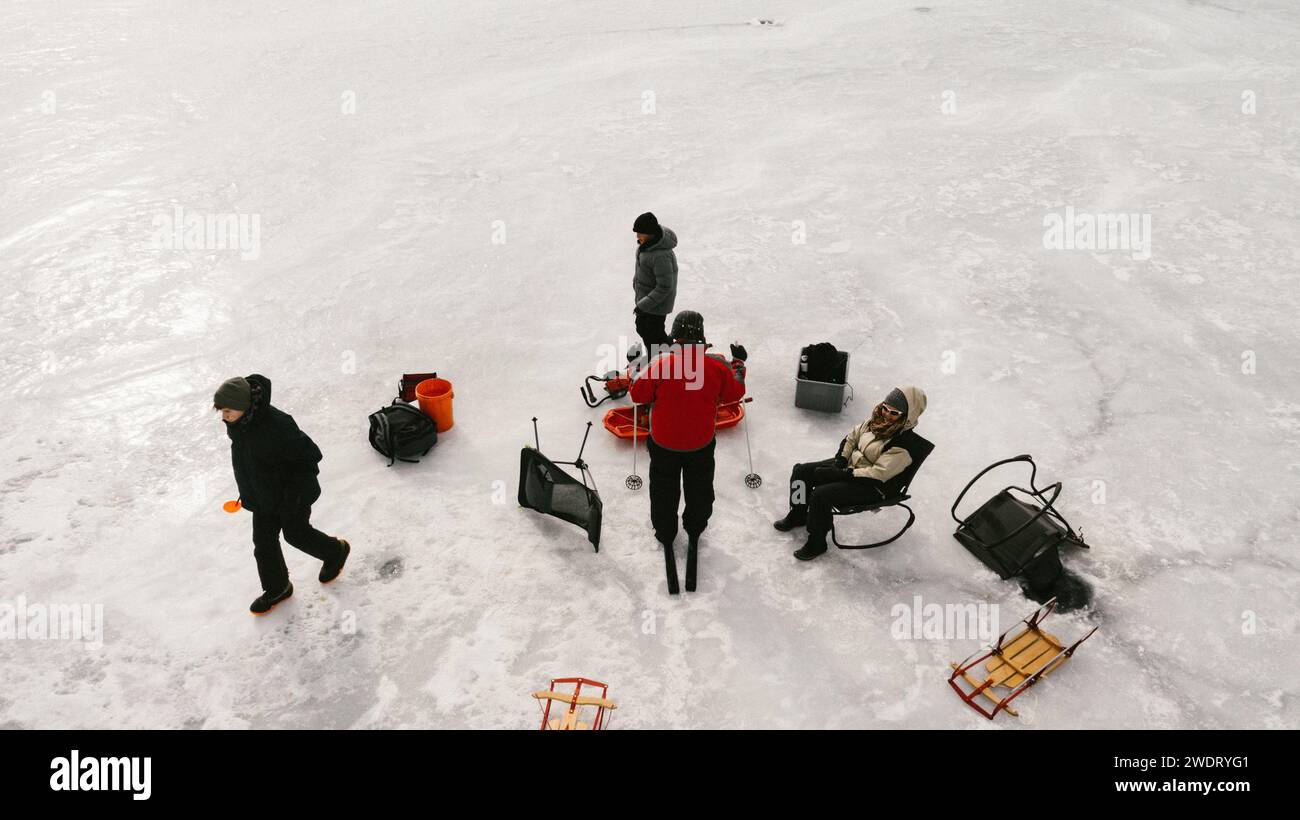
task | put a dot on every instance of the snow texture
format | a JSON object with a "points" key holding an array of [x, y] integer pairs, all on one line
{"points": [[384, 147]]}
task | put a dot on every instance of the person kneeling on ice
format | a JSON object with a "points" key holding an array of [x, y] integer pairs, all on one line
{"points": [[275, 468], [685, 387], [873, 454]]}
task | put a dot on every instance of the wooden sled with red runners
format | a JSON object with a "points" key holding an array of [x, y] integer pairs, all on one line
{"points": [[1013, 664], [572, 719]]}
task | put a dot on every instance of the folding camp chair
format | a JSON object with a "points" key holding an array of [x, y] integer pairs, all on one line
{"points": [[897, 498], [544, 487], [1019, 533], [572, 718], [1014, 664]]}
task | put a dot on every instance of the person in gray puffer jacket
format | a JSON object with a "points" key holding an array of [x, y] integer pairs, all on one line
{"points": [[654, 283]]}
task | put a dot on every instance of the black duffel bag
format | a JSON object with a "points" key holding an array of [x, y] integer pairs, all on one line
{"points": [[402, 432]]}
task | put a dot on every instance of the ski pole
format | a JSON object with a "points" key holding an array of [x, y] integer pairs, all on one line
{"points": [[753, 480], [633, 481]]}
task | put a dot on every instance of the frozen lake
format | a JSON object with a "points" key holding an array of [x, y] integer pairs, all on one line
{"points": [[451, 187]]}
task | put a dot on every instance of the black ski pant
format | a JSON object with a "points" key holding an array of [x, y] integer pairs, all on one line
{"points": [[650, 327], [299, 532], [672, 473], [813, 502]]}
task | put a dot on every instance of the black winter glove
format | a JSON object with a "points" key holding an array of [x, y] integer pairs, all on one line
{"points": [[830, 475], [839, 453], [738, 351]]}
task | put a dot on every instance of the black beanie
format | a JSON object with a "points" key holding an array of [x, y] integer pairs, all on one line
{"points": [[234, 394], [688, 326], [646, 223]]}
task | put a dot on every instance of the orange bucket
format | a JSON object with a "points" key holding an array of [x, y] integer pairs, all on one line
{"points": [[434, 396]]}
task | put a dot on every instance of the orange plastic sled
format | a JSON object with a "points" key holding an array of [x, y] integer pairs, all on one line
{"points": [[619, 420]]}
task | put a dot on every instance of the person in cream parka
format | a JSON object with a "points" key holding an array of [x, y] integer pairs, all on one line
{"points": [[866, 468]]}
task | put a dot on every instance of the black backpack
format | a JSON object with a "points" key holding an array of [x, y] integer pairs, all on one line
{"points": [[825, 363], [402, 432]]}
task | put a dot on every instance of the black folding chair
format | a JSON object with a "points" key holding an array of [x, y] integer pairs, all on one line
{"points": [[1021, 536], [898, 497], [544, 487]]}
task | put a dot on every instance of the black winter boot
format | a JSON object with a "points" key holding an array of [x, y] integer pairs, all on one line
{"points": [[792, 519], [331, 569], [267, 601], [813, 547]]}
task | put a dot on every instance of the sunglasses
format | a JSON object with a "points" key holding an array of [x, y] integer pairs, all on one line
{"points": [[889, 411]]}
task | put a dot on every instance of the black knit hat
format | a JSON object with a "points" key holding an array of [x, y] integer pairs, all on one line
{"points": [[647, 223], [234, 394], [688, 326]]}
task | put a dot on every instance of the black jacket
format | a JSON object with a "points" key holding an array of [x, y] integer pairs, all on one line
{"points": [[274, 461]]}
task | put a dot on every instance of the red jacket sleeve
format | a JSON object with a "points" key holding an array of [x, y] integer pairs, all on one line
{"points": [[733, 381], [643, 387]]}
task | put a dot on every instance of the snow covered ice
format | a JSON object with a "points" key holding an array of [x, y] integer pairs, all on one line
{"points": [[451, 187]]}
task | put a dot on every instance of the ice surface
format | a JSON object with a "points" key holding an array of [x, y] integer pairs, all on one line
{"points": [[924, 257]]}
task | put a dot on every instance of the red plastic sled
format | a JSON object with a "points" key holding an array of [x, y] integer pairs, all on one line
{"points": [[619, 420]]}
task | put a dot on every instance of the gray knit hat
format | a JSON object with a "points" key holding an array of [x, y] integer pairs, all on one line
{"points": [[688, 326], [897, 400], [234, 394]]}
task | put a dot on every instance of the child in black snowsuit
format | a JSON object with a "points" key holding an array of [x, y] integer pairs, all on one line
{"points": [[275, 468]]}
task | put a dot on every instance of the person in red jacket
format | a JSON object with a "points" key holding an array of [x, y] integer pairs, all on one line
{"points": [[684, 388]]}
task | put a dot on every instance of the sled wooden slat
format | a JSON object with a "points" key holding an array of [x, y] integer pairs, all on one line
{"points": [[583, 700], [567, 724], [988, 692], [1038, 663], [1019, 643], [1000, 667], [1012, 671]]}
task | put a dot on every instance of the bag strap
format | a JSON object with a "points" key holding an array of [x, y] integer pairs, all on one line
{"points": [[386, 435], [398, 404]]}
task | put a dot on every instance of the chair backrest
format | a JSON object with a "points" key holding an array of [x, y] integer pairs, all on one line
{"points": [[919, 451], [544, 487]]}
